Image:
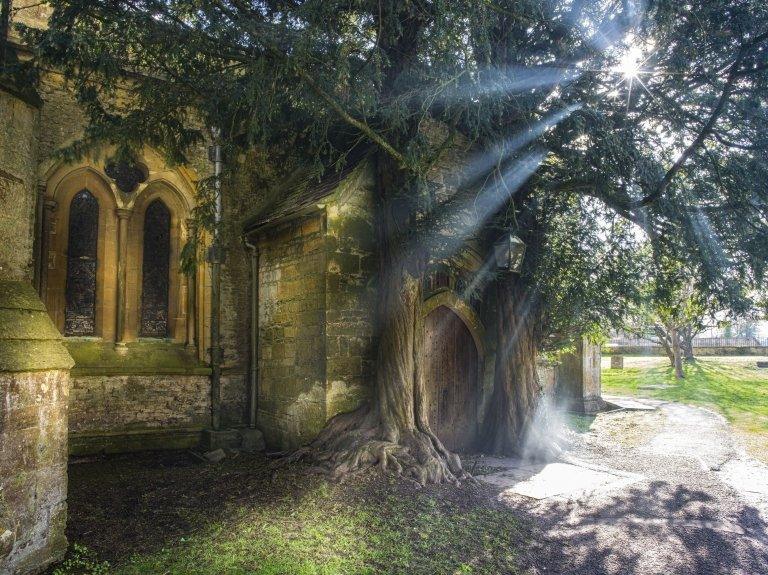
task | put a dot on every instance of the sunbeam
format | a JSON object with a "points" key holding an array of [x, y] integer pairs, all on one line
{"points": [[512, 80], [482, 164]]}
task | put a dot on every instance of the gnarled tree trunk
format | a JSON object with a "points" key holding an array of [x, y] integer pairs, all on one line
{"points": [[516, 390], [662, 335], [686, 344]]}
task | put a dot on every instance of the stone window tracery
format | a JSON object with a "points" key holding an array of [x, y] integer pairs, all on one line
{"points": [[126, 175], [111, 264]]}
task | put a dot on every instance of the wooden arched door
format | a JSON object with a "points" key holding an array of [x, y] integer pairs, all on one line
{"points": [[451, 379]]}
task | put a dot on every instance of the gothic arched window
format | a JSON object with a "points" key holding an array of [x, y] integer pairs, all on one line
{"points": [[80, 308], [155, 271]]}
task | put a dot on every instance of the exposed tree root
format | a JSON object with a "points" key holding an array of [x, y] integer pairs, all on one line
{"points": [[356, 441]]}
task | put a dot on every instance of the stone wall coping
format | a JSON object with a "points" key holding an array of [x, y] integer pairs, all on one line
{"points": [[28, 339], [140, 358]]}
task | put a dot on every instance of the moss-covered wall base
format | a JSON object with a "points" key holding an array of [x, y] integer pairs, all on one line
{"points": [[112, 413], [154, 396], [139, 440]]}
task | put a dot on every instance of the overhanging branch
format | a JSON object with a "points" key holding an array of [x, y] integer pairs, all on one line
{"points": [[706, 130]]}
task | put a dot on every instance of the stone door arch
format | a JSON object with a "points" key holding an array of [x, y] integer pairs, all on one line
{"points": [[452, 378]]}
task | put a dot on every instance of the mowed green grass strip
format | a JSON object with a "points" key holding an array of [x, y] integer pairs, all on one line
{"points": [[735, 388]]}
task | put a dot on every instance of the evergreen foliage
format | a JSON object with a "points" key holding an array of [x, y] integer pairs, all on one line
{"points": [[679, 149], [579, 120]]}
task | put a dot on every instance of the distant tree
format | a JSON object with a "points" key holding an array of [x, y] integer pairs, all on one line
{"points": [[746, 329], [676, 306], [578, 117]]}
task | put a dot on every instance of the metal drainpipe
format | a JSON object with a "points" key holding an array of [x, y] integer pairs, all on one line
{"points": [[253, 391], [214, 257], [5, 25]]}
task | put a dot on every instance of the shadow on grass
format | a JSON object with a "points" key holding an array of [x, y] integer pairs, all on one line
{"points": [[167, 513]]}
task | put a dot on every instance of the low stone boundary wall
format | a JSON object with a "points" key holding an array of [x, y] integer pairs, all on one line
{"points": [[119, 413], [697, 351]]}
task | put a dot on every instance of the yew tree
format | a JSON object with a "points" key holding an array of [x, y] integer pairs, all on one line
{"points": [[586, 125]]}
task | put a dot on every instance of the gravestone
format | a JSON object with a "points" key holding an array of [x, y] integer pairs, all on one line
{"points": [[617, 362]]}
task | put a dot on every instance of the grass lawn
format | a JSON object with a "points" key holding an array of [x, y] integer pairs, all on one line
{"points": [[733, 386], [167, 513]]}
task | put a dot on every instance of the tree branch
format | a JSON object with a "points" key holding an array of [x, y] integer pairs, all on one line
{"points": [[343, 114], [369, 132], [699, 140]]}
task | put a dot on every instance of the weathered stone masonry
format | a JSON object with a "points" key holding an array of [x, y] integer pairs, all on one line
{"points": [[291, 333], [34, 364], [316, 309], [34, 383]]}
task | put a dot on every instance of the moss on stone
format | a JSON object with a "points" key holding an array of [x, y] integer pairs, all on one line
{"points": [[16, 324], [132, 440], [29, 355], [28, 339], [19, 295], [101, 358]]}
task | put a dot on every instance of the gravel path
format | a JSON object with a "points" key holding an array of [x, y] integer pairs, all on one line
{"points": [[700, 508]]}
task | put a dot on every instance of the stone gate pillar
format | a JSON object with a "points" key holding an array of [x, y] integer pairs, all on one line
{"points": [[34, 389], [578, 380]]}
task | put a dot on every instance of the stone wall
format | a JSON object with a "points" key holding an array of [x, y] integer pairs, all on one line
{"points": [[34, 380], [697, 351], [155, 395], [292, 303], [350, 300], [18, 165], [33, 469], [578, 378], [125, 412], [546, 373], [34, 365], [235, 290]]}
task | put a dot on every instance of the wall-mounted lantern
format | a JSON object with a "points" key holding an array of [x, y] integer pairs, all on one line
{"points": [[509, 251]]}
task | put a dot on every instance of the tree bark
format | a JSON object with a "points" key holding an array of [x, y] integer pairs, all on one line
{"points": [[686, 343], [516, 390], [665, 342], [393, 431], [677, 356]]}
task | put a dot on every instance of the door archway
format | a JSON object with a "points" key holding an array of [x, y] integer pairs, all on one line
{"points": [[451, 379]]}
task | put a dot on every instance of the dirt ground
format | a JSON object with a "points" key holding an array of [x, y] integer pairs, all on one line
{"points": [[699, 506], [167, 512]]}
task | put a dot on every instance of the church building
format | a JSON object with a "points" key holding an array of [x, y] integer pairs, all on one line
{"points": [[105, 342]]}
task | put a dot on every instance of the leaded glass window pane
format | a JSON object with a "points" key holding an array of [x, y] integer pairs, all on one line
{"points": [[155, 271], [80, 292]]}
